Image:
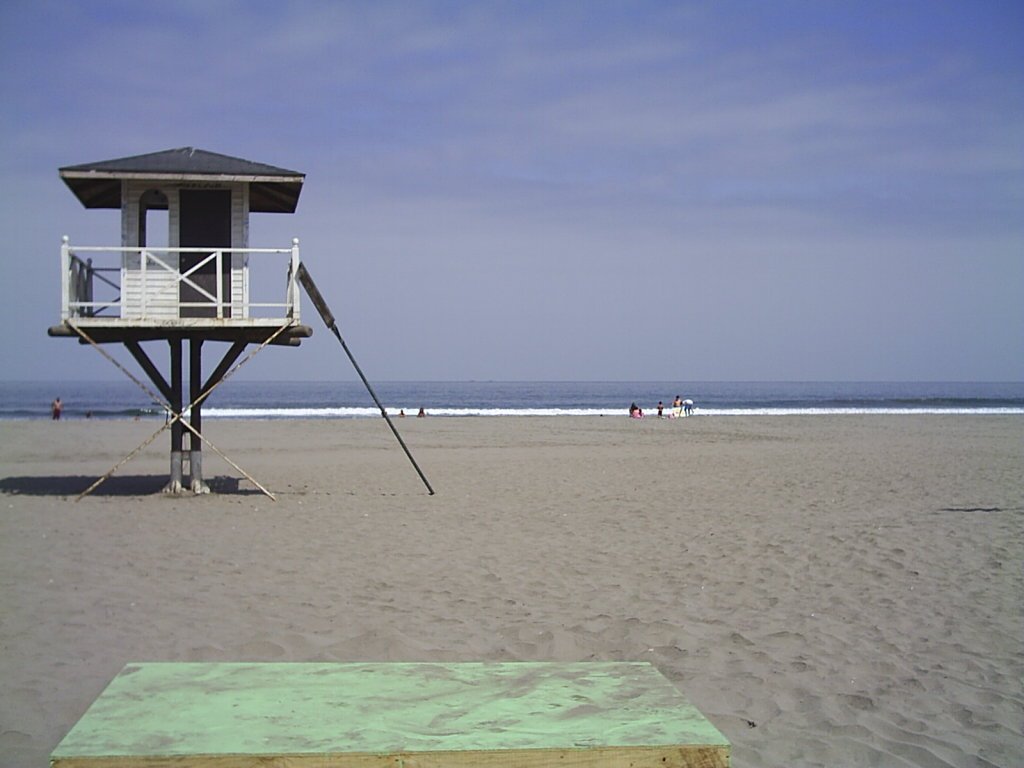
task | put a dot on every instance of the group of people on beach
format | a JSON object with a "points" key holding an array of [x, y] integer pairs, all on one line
{"points": [[680, 408]]}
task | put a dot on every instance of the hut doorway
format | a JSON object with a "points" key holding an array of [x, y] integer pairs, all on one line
{"points": [[153, 220], [205, 223]]}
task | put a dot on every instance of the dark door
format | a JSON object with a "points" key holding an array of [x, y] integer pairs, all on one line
{"points": [[205, 223]]}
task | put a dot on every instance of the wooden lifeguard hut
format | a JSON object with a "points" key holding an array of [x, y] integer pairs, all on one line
{"points": [[205, 285]]}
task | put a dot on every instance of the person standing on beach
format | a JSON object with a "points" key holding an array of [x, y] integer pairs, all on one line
{"points": [[56, 407], [661, 410], [677, 407]]}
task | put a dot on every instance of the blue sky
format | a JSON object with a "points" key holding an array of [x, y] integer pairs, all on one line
{"points": [[561, 190]]}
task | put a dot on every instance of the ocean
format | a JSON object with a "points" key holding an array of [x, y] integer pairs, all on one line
{"points": [[349, 399]]}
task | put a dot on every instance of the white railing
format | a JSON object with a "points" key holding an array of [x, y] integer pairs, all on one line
{"points": [[125, 286]]}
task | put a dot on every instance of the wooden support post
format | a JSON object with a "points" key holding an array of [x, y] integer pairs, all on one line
{"points": [[195, 375], [174, 484]]}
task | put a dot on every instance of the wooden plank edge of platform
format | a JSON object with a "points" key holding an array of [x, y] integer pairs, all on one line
{"points": [[686, 756]]}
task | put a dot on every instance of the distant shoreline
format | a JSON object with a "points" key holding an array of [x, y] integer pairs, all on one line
{"points": [[335, 400]]}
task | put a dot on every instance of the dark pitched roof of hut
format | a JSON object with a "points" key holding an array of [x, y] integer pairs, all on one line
{"points": [[98, 185]]}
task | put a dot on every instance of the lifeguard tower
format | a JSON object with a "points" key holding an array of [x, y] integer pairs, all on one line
{"points": [[204, 285]]}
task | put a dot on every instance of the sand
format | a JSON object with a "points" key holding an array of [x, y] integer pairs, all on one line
{"points": [[841, 591]]}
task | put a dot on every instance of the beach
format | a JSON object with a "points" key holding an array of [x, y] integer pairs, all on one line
{"points": [[827, 590]]}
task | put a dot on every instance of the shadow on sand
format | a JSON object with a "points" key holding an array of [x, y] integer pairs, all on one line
{"points": [[118, 485]]}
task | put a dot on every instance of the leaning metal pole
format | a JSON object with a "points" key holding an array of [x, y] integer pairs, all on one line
{"points": [[306, 279]]}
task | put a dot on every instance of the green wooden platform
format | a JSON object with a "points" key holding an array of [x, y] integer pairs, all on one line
{"points": [[416, 715]]}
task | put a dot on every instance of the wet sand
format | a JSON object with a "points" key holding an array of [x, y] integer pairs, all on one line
{"points": [[828, 590]]}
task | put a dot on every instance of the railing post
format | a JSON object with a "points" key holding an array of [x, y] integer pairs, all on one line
{"points": [[86, 292], [293, 292], [65, 278], [143, 260], [217, 262]]}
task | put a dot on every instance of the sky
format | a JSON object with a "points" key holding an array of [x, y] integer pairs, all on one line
{"points": [[662, 191]]}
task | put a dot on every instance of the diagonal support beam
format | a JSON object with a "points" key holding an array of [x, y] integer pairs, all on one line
{"points": [[222, 368], [147, 365]]}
